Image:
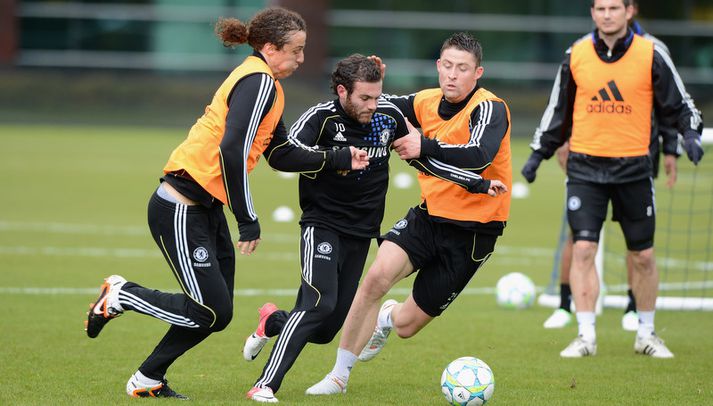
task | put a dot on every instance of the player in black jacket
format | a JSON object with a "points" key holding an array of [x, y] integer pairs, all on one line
{"points": [[342, 212]]}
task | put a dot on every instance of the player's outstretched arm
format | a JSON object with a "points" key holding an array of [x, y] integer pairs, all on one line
{"points": [[468, 180]]}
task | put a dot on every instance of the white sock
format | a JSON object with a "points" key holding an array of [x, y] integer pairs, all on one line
{"points": [[646, 324], [384, 319], [112, 301], [145, 381], [343, 366], [586, 321]]}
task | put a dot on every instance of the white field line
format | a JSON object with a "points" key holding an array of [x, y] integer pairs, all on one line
{"points": [[69, 228], [293, 292], [237, 292], [104, 252], [263, 255], [147, 253], [506, 255], [107, 230], [133, 230], [524, 254], [667, 286], [509, 255]]}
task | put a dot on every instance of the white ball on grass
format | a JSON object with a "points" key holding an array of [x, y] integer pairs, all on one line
{"points": [[403, 180], [515, 291], [283, 214], [520, 190]]}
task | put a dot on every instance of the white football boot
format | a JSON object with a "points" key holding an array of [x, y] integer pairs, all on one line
{"points": [[378, 338], [106, 307], [262, 395], [579, 348], [652, 346], [257, 340], [139, 386], [329, 385]]}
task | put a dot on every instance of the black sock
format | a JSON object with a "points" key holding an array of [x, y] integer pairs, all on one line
{"points": [[565, 296], [632, 302], [275, 323]]}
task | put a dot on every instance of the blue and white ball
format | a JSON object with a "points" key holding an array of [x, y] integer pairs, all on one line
{"points": [[467, 381], [515, 291]]}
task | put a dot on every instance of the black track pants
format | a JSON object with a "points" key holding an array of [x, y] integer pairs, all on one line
{"points": [[196, 243], [332, 265]]}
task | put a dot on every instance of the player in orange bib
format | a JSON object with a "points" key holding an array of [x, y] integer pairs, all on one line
{"points": [[664, 141], [208, 171], [610, 83]]}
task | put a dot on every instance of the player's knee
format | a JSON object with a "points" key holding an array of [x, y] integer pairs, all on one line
{"points": [[324, 336], [375, 285], [406, 330], [584, 250], [643, 260], [213, 318], [222, 319], [407, 323], [202, 316]]}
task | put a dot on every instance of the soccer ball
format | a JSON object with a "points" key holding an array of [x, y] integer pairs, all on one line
{"points": [[515, 291], [467, 381]]}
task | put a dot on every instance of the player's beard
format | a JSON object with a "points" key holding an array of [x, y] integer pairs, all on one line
{"points": [[363, 117]]}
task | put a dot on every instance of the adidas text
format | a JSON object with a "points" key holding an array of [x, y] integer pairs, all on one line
{"points": [[610, 108]]}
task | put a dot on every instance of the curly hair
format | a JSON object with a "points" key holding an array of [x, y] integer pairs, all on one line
{"points": [[464, 42], [271, 25], [354, 68]]}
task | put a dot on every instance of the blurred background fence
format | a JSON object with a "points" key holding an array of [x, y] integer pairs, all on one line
{"points": [[157, 62]]}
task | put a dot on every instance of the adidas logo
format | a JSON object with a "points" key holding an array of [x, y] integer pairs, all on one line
{"points": [[339, 137], [605, 96], [606, 104]]}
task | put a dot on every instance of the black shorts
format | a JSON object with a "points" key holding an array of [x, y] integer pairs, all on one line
{"points": [[445, 256], [632, 204]]}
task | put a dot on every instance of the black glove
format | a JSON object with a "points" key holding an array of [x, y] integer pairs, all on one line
{"points": [[692, 145], [529, 171], [249, 231]]}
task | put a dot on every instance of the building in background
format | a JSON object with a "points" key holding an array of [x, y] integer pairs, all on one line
{"points": [[523, 39], [178, 35]]}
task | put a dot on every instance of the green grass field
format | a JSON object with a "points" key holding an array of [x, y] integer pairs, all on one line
{"points": [[73, 210]]}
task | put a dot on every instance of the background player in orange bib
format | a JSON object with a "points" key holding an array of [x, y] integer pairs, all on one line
{"points": [[610, 84]]}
